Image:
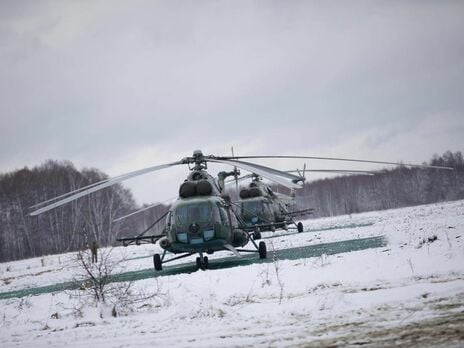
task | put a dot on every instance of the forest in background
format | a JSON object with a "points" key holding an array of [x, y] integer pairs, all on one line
{"points": [[75, 225], [393, 188], [70, 227]]}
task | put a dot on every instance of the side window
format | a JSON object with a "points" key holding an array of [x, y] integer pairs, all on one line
{"points": [[233, 219], [224, 217]]}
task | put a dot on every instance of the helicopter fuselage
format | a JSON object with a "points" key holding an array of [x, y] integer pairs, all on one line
{"points": [[202, 224]]}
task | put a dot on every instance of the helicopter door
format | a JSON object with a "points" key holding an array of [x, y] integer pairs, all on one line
{"points": [[224, 216], [233, 218], [268, 211]]}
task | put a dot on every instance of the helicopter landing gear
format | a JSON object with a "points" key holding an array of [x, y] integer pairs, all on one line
{"points": [[262, 250], [300, 227], [157, 262], [202, 262], [256, 234]]}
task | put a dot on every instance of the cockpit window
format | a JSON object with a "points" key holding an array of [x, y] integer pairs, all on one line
{"points": [[252, 208], [197, 212]]}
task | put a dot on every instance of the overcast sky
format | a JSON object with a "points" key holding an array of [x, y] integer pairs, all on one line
{"points": [[120, 85]]}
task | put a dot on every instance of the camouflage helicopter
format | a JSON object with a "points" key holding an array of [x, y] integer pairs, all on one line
{"points": [[202, 220], [265, 209]]}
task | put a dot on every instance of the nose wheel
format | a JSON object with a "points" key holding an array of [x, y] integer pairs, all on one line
{"points": [[202, 262]]}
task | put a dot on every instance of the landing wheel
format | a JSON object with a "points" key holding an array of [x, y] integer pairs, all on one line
{"points": [[157, 262], [300, 227], [257, 235], [202, 264], [262, 250]]}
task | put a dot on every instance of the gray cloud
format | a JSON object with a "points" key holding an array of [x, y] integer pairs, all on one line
{"points": [[123, 86]]}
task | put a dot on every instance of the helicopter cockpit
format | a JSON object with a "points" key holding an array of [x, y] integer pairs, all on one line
{"points": [[197, 221], [197, 212]]}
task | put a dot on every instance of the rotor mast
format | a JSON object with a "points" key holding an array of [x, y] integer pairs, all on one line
{"points": [[198, 160]]}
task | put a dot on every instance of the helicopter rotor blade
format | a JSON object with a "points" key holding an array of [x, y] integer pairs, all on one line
{"points": [[270, 170], [343, 159], [144, 209], [266, 172], [248, 176], [103, 184], [345, 171], [67, 194]]}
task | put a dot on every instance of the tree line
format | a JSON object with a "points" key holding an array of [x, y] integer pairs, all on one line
{"points": [[387, 189], [69, 227]]}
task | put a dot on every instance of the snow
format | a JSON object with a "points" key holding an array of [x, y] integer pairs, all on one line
{"points": [[409, 292]]}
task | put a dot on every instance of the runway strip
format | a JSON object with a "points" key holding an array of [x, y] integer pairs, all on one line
{"points": [[226, 262]]}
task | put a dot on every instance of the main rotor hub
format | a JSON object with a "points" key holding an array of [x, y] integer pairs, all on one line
{"points": [[197, 153], [199, 160]]}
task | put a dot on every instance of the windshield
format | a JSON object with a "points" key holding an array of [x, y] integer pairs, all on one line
{"points": [[197, 212], [252, 208]]}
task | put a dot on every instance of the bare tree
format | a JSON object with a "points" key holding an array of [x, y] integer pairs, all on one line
{"points": [[99, 284]]}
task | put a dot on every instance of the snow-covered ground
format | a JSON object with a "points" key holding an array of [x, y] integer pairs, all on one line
{"points": [[409, 293]]}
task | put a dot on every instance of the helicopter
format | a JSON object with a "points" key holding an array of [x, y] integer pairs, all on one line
{"points": [[265, 209], [202, 219]]}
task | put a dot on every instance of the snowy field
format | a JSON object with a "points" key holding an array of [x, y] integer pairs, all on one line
{"points": [[408, 293]]}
